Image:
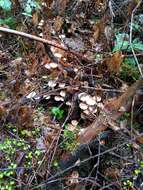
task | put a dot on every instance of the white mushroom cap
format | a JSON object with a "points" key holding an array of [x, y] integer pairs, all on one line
{"points": [[83, 106], [52, 83], [41, 34], [58, 98], [63, 93], [74, 122], [47, 97], [87, 112], [81, 94], [90, 101], [53, 65], [98, 98], [100, 105], [58, 55], [62, 85], [84, 98], [47, 66], [68, 103]]}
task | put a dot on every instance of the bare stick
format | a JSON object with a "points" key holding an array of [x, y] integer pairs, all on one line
{"points": [[42, 40]]}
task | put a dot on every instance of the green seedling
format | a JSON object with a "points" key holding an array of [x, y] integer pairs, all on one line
{"points": [[58, 113], [69, 139]]}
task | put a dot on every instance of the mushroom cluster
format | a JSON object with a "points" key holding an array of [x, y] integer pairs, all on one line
{"points": [[89, 104]]}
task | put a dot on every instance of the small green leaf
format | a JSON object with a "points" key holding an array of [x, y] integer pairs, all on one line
{"points": [[57, 112], [5, 5]]}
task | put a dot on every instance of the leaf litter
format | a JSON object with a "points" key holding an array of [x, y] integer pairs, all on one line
{"points": [[71, 119]]}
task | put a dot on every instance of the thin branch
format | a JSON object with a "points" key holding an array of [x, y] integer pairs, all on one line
{"points": [[42, 40]]}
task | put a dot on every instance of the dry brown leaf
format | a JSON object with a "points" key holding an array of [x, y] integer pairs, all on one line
{"points": [[58, 23], [35, 18], [34, 64], [114, 62], [25, 116]]}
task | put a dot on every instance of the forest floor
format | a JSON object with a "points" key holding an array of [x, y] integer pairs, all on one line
{"points": [[71, 95]]}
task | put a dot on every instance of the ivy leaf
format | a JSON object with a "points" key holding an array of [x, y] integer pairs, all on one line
{"points": [[5, 5]]}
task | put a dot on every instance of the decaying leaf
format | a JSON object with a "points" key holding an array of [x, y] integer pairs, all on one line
{"points": [[114, 62], [25, 116], [58, 23]]}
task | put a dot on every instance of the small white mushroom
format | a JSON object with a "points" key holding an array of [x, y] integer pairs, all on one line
{"points": [[44, 77], [74, 122], [87, 112], [95, 110], [90, 101], [91, 108], [82, 94], [100, 105], [53, 65], [41, 34], [84, 98], [98, 98], [52, 84], [62, 85], [68, 103], [58, 98], [63, 93], [58, 55], [75, 70], [47, 66], [47, 97], [83, 106], [41, 23]]}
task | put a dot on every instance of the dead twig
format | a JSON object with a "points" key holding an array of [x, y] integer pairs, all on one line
{"points": [[44, 41]]}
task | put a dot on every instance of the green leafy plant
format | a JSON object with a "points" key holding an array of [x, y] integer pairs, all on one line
{"points": [[30, 5], [57, 112], [129, 70], [9, 149], [6, 5], [122, 43], [8, 21], [69, 139]]}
